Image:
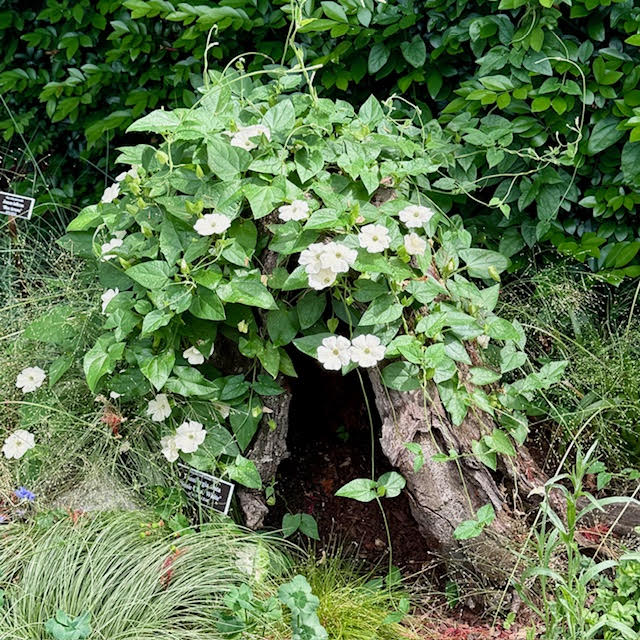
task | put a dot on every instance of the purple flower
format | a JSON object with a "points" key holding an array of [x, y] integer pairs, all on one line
{"points": [[24, 494], [3, 519]]}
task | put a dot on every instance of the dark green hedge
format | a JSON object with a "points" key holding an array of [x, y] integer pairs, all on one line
{"points": [[542, 97]]}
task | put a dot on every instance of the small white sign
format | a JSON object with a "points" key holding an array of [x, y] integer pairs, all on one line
{"points": [[210, 491], [11, 204]]}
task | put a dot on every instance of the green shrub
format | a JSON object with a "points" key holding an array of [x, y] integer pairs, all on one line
{"points": [[541, 98], [212, 247]]}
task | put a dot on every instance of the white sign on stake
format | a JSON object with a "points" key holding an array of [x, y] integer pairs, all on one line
{"points": [[17, 206]]}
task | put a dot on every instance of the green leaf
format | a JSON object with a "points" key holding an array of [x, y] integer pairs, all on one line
{"points": [[414, 52], [244, 421], [401, 376], [249, 292], [207, 305], [282, 327], [334, 11], [378, 56], [101, 359], [482, 376], [371, 112], [481, 261], [604, 134], [157, 121], [225, 161], [361, 489], [392, 483], [281, 118], [501, 329], [53, 327], [244, 471], [155, 320], [309, 344], [511, 359], [59, 367], [467, 530], [308, 162], [631, 163], [382, 310], [89, 218], [152, 275], [158, 369], [499, 441], [310, 309]]}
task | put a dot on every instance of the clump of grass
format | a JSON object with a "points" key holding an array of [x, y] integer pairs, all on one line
{"points": [[353, 604], [571, 314], [135, 582]]}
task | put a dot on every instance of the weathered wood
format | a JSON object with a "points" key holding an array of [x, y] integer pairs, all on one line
{"points": [[444, 494], [268, 450]]}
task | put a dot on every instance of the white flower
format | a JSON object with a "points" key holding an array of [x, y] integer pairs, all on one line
{"points": [[242, 137], [193, 356], [310, 258], [114, 395], [169, 448], [212, 223], [414, 244], [367, 350], [483, 340], [108, 247], [189, 436], [337, 257], [416, 215], [18, 443], [297, 210], [30, 379], [159, 408], [133, 173], [111, 193], [107, 297], [334, 352], [374, 238], [322, 279]]}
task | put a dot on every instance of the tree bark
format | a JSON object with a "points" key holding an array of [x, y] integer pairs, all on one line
{"points": [[443, 494], [267, 451]]}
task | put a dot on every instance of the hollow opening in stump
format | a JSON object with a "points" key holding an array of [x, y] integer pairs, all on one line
{"points": [[329, 442]]}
